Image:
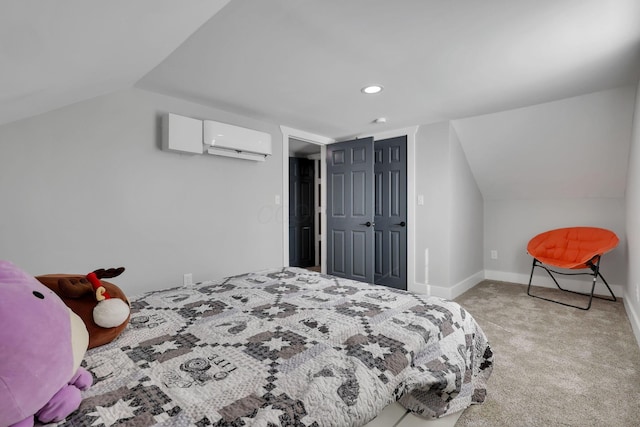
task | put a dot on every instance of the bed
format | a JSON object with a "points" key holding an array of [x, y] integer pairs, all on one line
{"points": [[285, 347]]}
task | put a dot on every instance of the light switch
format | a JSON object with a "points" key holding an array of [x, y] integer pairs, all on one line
{"points": [[420, 199], [277, 199]]}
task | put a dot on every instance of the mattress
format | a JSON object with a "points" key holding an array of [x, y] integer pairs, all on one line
{"points": [[284, 347]]}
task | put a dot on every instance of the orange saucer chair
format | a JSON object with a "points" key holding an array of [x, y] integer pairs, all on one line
{"points": [[572, 248]]}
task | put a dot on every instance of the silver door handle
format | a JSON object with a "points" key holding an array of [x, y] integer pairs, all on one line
{"points": [[369, 223]]}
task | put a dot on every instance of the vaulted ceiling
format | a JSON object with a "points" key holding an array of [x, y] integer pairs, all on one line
{"points": [[55, 53], [302, 63]]}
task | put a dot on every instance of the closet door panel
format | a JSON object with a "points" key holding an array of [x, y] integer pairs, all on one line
{"points": [[391, 212], [350, 212]]}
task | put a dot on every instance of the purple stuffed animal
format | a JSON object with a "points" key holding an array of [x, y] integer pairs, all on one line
{"points": [[42, 343]]}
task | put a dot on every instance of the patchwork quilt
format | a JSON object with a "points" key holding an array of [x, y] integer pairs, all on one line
{"points": [[286, 347]]}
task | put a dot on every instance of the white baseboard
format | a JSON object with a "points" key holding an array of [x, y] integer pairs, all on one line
{"points": [[504, 276], [634, 319], [578, 285], [450, 292], [468, 283]]}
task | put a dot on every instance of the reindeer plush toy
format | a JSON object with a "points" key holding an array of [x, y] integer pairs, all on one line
{"points": [[101, 305]]}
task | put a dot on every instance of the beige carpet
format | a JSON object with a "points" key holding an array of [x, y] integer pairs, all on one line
{"points": [[554, 365]]}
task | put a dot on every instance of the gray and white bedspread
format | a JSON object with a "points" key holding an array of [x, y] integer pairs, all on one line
{"points": [[286, 347]]}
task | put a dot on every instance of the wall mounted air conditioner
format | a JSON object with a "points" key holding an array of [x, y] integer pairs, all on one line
{"points": [[222, 139], [181, 134]]}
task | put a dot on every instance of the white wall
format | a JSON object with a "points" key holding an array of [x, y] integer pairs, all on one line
{"points": [[632, 291], [87, 186], [467, 221], [432, 219], [449, 224]]}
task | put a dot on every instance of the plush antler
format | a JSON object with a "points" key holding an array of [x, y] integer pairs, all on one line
{"points": [[77, 287], [101, 273], [74, 287]]}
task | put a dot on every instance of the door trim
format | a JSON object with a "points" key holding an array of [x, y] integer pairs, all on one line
{"points": [[312, 138]]}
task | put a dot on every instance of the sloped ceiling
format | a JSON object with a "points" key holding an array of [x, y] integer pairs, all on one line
{"points": [[302, 64], [572, 148], [54, 53]]}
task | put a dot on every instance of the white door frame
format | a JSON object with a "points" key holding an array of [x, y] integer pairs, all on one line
{"points": [[410, 132], [322, 141]]}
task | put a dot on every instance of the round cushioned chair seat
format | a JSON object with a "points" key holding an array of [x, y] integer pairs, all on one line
{"points": [[571, 247]]}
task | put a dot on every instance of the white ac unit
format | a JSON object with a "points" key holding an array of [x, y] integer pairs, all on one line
{"points": [[233, 141], [181, 134]]}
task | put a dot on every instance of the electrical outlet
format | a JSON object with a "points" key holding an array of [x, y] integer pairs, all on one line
{"points": [[494, 254], [187, 279]]}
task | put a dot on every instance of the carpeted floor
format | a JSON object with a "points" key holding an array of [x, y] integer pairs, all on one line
{"points": [[554, 365]]}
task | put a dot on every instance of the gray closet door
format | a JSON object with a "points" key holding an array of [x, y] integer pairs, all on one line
{"points": [[301, 213], [390, 171], [350, 225]]}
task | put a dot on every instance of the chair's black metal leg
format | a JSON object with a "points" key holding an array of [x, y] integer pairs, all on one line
{"points": [[533, 266], [593, 288], [607, 285], [596, 273], [554, 280]]}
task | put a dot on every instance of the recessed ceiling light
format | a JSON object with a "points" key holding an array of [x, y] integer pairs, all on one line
{"points": [[380, 120], [372, 89]]}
